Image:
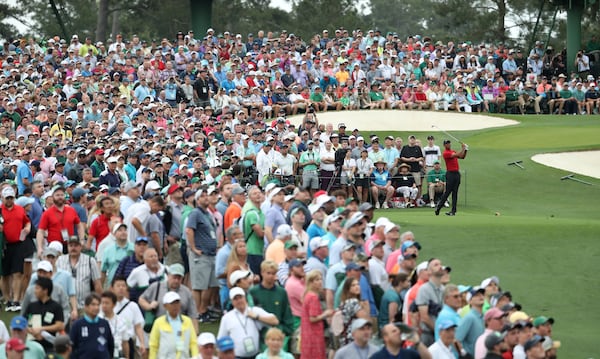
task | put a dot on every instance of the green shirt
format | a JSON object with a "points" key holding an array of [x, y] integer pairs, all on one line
{"points": [[252, 216], [512, 95], [309, 157], [34, 351], [376, 96], [316, 97], [579, 95], [275, 301], [434, 175], [565, 93]]}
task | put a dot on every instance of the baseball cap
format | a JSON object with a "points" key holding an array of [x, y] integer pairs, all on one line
{"points": [[225, 344], [422, 266], [381, 221], [348, 246], [493, 313], [318, 242], [519, 316], [389, 227], [206, 338], [354, 220], [488, 281], [141, 239], [406, 245], [541, 320], [237, 275], [353, 266], [19, 322], [284, 230], [374, 244], [78, 193], [446, 324], [61, 342], [15, 344], [8, 191], [359, 323], [176, 269], [117, 226], [152, 185], [493, 339], [45, 266], [296, 263], [238, 190], [131, 185], [170, 297], [474, 291], [536, 339], [235, 291], [291, 244], [365, 206]]}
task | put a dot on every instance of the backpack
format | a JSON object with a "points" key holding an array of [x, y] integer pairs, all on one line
{"points": [[240, 222]]}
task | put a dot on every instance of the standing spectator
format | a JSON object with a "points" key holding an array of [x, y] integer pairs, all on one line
{"points": [[253, 228], [128, 264], [234, 211], [83, 268], [494, 322], [449, 312], [202, 243], [243, 324], [312, 332], [144, 275], [44, 270], [117, 325], [44, 314], [91, 335], [429, 300], [470, 326], [131, 314], [115, 253], [58, 222], [394, 344], [273, 298], [361, 330], [173, 335], [138, 216], [101, 225], [444, 346], [274, 216], [24, 174], [275, 342], [16, 227], [79, 204]]}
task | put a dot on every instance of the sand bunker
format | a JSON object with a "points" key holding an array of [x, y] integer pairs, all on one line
{"points": [[585, 163], [421, 121]]}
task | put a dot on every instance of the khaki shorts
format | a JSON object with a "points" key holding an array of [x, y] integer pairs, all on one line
{"points": [[417, 177], [202, 272]]}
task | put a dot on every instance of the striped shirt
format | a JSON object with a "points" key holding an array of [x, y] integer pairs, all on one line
{"points": [[83, 272]]}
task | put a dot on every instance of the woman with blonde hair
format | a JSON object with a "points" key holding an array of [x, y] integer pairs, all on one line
{"points": [[312, 329], [238, 259], [274, 341]]}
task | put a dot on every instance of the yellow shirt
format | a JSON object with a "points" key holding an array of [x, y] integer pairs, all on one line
{"points": [[342, 77], [56, 129]]}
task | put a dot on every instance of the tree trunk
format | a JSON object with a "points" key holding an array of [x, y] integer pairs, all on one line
{"points": [[115, 24], [102, 23], [500, 27]]}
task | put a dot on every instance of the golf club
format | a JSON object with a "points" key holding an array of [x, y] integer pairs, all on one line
{"points": [[448, 134], [573, 178]]}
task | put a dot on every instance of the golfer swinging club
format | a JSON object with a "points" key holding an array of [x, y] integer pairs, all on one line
{"points": [[452, 175]]}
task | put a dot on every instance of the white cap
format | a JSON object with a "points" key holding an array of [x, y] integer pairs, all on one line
{"points": [[57, 246], [112, 160], [284, 230], [116, 227], [318, 242], [274, 192], [206, 338], [8, 191], [170, 297], [152, 185], [234, 292], [389, 227], [45, 266], [382, 221], [314, 208], [321, 200], [422, 266], [237, 275], [489, 280]]}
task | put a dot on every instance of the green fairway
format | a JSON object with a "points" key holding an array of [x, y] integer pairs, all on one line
{"points": [[544, 244]]}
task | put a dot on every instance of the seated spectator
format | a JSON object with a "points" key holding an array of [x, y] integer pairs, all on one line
{"points": [[404, 183], [381, 185]]}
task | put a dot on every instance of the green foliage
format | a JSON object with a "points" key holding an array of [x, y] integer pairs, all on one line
{"points": [[8, 31]]}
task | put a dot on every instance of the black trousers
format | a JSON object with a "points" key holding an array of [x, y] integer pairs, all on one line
{"points": [[452, 184]]}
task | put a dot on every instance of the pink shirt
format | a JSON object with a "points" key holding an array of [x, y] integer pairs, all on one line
{"points": [[392, 260], [295, 290]]}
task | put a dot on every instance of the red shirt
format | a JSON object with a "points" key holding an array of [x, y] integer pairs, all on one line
{"points": [[451, 162], [15, 220], [420, 96], [99, 228], [53, 221]]}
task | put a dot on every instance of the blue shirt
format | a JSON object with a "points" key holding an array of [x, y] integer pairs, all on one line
{"points": [[35, 214], [403, 354], [81, 213], [60, 278], [380, 178], [469, 329], [221, 262], [390, 296], [23, 172], [313, 231], [274, 218], [112, 256]]}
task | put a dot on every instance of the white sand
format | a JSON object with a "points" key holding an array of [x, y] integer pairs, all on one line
{"points": [[585, 163], [396, 120]]}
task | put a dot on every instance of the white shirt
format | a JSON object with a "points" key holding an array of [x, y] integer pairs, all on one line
{"points": [[118, 330], [378, 274], [140, 276], [432, 154], [264, 163], [327, 155], [131, 316], [439, 351], [239, 327], [141, 211], [286, 164]]}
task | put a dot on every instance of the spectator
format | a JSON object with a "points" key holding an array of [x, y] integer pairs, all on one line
{"points": [[45, 315], [18, 330], [92, 336], [361, 330], [83, 268]]}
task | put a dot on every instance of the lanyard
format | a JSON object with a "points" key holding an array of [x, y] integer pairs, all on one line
{"points": [[243, 325], [361, 352]]}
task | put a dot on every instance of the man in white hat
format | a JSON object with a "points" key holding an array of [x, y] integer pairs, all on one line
{"points": [[173, 334], [361, 330], [206, 345]]}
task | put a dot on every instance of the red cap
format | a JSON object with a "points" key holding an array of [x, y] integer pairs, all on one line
{"points": [[173, 188], [99, 152], [15, 344], [319, 193]]}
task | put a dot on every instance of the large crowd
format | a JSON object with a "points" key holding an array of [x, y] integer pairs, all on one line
{"points": [[151, 188]]}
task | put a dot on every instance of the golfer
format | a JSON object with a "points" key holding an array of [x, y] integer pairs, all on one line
{"points": [[452, 176]]}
